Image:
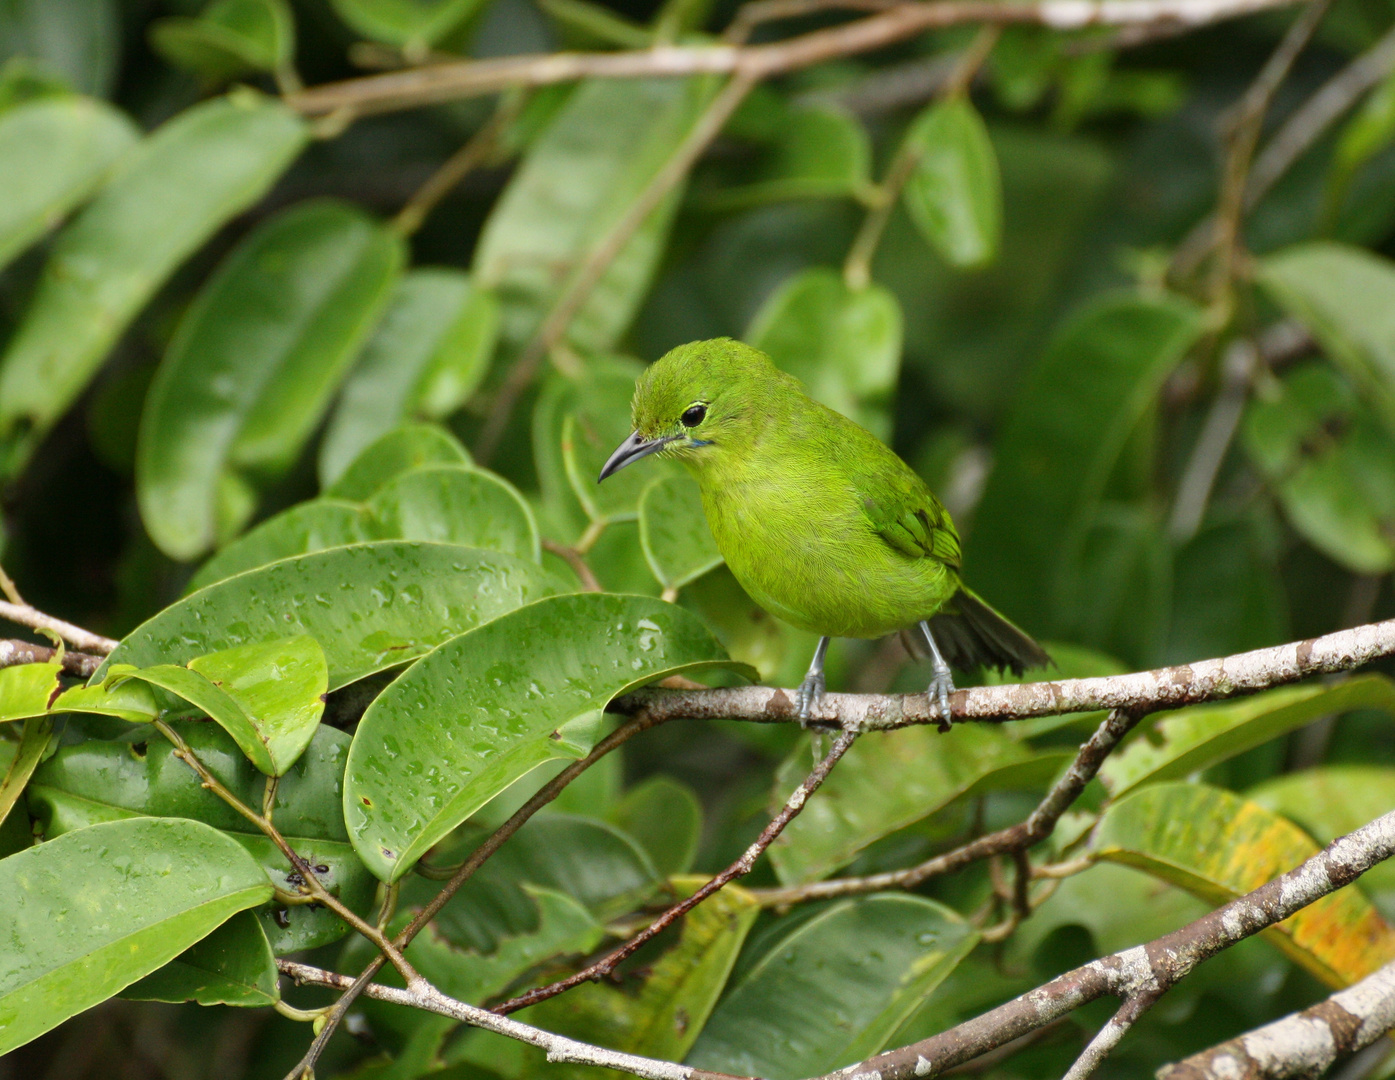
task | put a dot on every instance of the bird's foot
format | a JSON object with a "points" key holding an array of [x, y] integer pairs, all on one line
{"points": [[810, 696], [941, 686]]}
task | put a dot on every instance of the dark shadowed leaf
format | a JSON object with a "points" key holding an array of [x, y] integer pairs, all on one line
{"points": [[955, 196], [665, 816], [489, 706], [673, 530], [813, 153], [413, 24], [228, 39], [150, 889], [232, 966]]}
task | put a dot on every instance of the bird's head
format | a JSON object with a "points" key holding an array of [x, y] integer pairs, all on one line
{"points": [[695, 401]]}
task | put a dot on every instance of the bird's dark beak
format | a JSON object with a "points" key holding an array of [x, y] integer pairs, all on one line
{"points": [[632, 449]]}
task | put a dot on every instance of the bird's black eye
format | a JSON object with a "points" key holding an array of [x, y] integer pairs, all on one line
{"points": [[694, 416]]}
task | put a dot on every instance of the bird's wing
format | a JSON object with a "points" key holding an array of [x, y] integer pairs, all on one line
{"points": [[903, 511]]}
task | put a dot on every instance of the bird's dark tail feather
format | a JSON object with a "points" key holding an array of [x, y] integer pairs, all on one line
{"points": [[971, 634]]}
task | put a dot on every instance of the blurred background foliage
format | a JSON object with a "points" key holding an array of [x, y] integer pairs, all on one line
{"points": [[234, 334]]}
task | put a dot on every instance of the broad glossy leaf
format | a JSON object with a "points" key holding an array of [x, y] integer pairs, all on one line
{"points": [[79, 40], [489, 706], [673, 530], [455, 504], [310, 526], [179, 186], [53, 154], [665, 816], [843, 344], [577, 180], [27, 689], [33, 741], [232, 966], [1175, 744], [253, 366], [228, 39], [882, 785], [814, 153], [1332, 464], [1218, 845], [100, 780], [663, 1002], [1346, 296], [370, 606], [410, 446], [150, 889], [955, 195], [426, 357], [832, 992], [1077, 404], [413, 24]]}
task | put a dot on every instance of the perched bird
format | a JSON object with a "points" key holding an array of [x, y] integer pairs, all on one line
{"points": [[822, 524]]}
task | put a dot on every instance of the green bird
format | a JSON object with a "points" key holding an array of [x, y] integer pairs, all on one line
{"points": [[822, 524]]}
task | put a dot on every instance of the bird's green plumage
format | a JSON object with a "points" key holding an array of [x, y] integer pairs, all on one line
{"points": [[821, 523]]}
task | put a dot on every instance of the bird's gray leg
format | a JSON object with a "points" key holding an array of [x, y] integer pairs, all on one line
{"points": [[942, 685], [812, 688]]}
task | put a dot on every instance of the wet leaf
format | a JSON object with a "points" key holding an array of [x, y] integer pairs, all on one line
{"points": [[53, 154], [455, 504], [430, 351], [228, 39], [182, 183], [1218, 846], [310, 526], [253, 366], [489, 706], [843, 344], [232, 966], [955, 196], [1176, 744], [369, 606], [410, 446], [832, 991], [151, 888], [673, 530], [664, 815]]}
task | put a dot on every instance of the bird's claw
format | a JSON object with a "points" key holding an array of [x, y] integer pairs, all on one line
{"points": [[810, 695], [941, 686]]}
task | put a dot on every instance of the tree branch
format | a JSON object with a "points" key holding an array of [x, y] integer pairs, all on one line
{"points": [[1304, 1043], [1145, 970], [1142, 691], [14, 652], [24, 614], [448, 82]]}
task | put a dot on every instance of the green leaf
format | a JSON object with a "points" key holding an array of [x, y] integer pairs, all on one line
{"points": [[413, 24], [487, 707], [834, 989], [1218, 846], [178, 187], [843, 344], [1332, 464], [1346, 297], [28, 689], [230, 38], [1176, 744], [311, 526], [1078, 404], [814, 153], [663, 1001], [150, 889], [54, 153], [232, 966], [410, 446], [673, 531], [666, 818], [955, 195], [458, 505], [77, 40], [576, 181], [370, 606], [33, 741], [885, 784], [428, 354], [100, 780], [254, 364]]}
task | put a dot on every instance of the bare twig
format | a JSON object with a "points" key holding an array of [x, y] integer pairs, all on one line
{"points": [[742, 866], [8, 587], [1145, 970], [23, 614], [14, 652], [577, 561], [1302, 1044], [448, 82], [1107, 1038], [598, 260]]}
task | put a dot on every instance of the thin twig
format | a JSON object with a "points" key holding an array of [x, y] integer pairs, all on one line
{"points": [[598, 260], [448, 82], [1107, 1038], [7, 586], [577, 561], [23, 614], [741, 867], [14, 652]]}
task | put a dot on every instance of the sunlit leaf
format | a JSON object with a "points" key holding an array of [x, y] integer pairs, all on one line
{"points": [[150, 889], [487, 707], [458, 505], [309, 526], [28, 689], [410, 446], [232, 966], [955, 195], [33, 741], [673, 530]]}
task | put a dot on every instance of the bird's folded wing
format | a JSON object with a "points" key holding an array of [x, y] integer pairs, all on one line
{"points": [[912, 521]]}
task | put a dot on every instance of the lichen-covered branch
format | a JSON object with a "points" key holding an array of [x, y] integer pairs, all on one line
{"points": [[1302, 1044]]}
